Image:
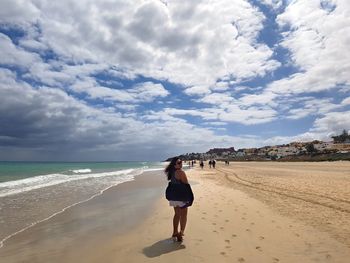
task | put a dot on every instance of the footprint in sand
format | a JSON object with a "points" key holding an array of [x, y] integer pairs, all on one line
{"points": [[227, 241], [252, 223], [308, 244], [234, 235], [203, 218], [248, 230], [258, 248], [261, 238], [243, 218], [222, 228], [241, 260], [275, 260], [227, 220], [214, 224]]}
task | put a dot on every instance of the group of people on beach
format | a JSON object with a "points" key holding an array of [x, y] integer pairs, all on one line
{"points": [[211, 163]]}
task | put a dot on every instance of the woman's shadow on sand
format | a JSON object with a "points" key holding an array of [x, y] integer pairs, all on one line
{"points": [[162, 247]]}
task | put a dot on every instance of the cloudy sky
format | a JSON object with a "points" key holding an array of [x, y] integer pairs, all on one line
{"points": [[144, 80]]}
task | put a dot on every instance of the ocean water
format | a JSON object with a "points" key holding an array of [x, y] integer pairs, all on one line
{"points": [[16, 177], [32, 192]]}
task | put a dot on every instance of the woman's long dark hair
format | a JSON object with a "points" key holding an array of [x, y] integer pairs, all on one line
{"points": [[170, 169]]}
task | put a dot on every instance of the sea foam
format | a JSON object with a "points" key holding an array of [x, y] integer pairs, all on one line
{"points": [[37, 182], [81, 171]]}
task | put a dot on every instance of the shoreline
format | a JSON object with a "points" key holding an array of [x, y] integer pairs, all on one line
{"points": [[53, 215], [86, 218], [27, 202], [228, 222]]}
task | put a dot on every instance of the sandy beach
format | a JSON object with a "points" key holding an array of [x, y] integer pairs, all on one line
{"points": [[244, 212]]}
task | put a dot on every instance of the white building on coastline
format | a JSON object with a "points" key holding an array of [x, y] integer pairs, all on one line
{"points": [[321, 146]]}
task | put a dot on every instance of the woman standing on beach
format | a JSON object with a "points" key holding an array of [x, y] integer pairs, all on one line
{"points": [[180, 196]]}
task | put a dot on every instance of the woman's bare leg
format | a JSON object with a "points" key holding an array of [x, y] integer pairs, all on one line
{"points": [[176, 220], [183, 219]]}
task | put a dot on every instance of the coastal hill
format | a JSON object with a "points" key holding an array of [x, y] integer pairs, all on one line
{"points": [[338, 149]]}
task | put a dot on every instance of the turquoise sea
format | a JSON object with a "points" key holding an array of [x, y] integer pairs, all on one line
{"points": [[10, 171], [32, 192]]}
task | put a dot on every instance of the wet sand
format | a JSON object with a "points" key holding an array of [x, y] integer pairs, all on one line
{"points": [[87, 225], [245, 212]]}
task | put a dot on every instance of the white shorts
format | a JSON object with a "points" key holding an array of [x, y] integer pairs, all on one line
{"points": [[177, 203]]}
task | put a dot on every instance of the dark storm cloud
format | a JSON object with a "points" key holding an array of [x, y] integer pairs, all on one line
{"points": [[31, 118]]}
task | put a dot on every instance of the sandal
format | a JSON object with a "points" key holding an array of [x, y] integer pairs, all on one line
{"points": [[174, 237], [179, 237]]}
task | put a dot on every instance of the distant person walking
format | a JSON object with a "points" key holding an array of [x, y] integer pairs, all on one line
{"points": [[201, 164], [210, 163], [180, 196], [213, 162]]}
